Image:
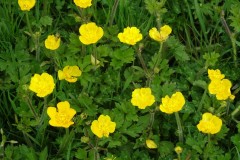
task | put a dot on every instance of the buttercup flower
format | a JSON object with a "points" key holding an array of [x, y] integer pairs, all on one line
{"points": [[69, 73], [209, 124], [130, 35], [26, 5], [103, 126], [62, 115], [178, 149], [90, 33], [215, 74], [83, 3], [161, 35], [52, 42], [172, 104], [151, 144], [219, 86], [42, 84], [142, 97]]}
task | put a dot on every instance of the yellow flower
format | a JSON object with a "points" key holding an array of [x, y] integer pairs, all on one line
{"points": [[83, 3], [215, 74], [209, 124], [142, 97], [26, 5], [151, 144], [103, 126], [161, 35], [42, 84], [69, 73], [130, 35], [221, 88], [62, 115], [52, 42], [90, 33], [178, 149], [173, 104]]}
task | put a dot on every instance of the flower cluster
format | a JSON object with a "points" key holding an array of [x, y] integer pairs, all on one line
{"points": [[42, 84], [26, 5], [142, 97], [173, 103], [62, 115], [90, 33], [52, 42], [161, 35], [209, 124], [69, 73], [103, 126], [219, 86]]}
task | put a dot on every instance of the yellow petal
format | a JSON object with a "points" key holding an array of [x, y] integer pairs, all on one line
{"points": [[151, 144]]}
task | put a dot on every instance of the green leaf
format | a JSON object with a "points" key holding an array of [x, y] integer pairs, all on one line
{"points": [[122, 56], [200, 83], [177, 49], [81, 154], [211, 58], [46, 21], [74, 45], [44, 154], [155, 7], [223, 132], [165, 148]]}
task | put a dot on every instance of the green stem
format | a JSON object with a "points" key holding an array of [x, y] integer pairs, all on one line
{"points": [[96, 155], [34, 37], [179, 156], [209, 139], [159, 56], [152, 114], [202, 100], [113, 12], [180, 130], [233, 40], [139, 54], [31, 108], [231, 36], [28, 24]]}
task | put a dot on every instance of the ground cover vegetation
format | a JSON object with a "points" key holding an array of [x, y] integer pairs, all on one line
{"points": [[119, 79]]}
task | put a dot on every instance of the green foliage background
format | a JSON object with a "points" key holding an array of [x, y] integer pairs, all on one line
{"points": [[205, 35]]}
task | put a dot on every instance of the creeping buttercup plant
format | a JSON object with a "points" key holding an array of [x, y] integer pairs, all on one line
{"points": [[122, 80]]}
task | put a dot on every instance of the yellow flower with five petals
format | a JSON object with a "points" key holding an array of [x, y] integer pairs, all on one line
{"points": [[103, 126], [83, 3], [26, 5], [161, 35], [209, 124], [69, 73], [172, 104], [142, 97], [42, 84], [62, 115], [52, 42], [130, 35], [90, 33]]}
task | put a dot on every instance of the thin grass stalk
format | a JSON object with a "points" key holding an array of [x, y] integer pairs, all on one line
{"points": [[113, 12], [180, 130]]}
